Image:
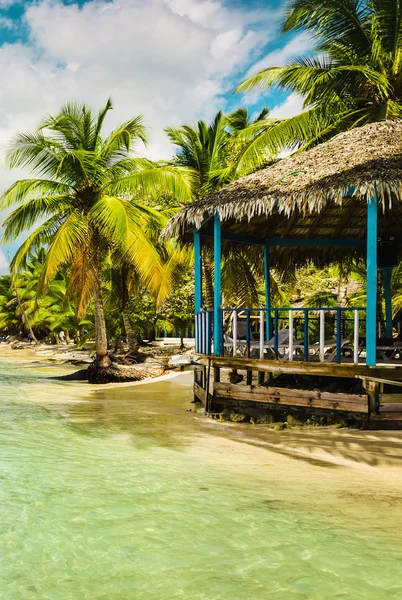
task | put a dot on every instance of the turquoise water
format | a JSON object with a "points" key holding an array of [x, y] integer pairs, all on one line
{"points": [[108, 499]]}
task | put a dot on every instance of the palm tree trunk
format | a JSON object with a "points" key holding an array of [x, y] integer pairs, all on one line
{"points": [[182, 334], [130, 333], [102, 358], [209, 284]]}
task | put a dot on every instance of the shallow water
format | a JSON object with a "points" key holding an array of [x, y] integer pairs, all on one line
{"points": [[126, 496]]}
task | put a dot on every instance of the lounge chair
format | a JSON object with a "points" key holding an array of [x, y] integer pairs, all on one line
{"points": [[241, 343], [283, 344], [330, 348]]}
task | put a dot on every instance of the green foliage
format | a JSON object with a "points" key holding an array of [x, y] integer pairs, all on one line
{"points": [[178, 309], [354, 76], [86, 197], [214, 155]]}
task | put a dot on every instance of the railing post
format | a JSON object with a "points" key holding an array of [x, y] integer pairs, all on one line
{"points": [[291, 334], [338, 334], [218, 333], [261, 334], [322, 335], [234, 331], [387, 272], [276, 334], [208, 335], [371, 285], [306, 336], [197, 332], [356, 338], [248, 332], [203, 332], [197, 272], [267, 276]]}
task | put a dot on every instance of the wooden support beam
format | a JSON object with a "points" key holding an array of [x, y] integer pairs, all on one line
{"points": [[199, 393], [279, 367], [282, 241], [218, 333], [197, 272], [371, 287], [267, 276], [357, 403]]}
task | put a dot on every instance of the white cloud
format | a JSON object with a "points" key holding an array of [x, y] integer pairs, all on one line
{"points": [[299, 45], [292, 106], [171, 60], [4, 268], [8, 3], [6, 23]]}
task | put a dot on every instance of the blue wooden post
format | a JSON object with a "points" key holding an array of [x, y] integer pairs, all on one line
{"points": [[306, 336], [197, 288], [218, 333], [197, 272], [371, 266], [338, 335], [387, 272], [276, 339], [267, 276], [248, 332]]}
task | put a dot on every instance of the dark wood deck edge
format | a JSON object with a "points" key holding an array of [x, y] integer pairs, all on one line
{"points": [[279, 367]]}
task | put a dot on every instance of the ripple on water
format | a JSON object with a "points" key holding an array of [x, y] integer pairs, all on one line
{"points": [[89, 509]]}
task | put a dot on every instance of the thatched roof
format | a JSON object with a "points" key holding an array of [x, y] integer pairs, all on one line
{"points": [[306, 195]]}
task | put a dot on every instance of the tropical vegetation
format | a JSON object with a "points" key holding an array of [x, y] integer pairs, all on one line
{"points": [[353, 75], [86, 199], [93, 263]]}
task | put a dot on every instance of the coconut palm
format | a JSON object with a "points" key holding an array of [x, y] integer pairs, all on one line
{"points": [[353, 77], [81, 196], [212, 153]]}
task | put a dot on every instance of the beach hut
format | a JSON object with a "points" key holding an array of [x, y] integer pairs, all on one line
{"points": [[338, 201]]}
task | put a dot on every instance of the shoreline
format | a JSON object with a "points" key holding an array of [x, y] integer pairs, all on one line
{"points": [[66, 355], [361, 469], [317, 445]]}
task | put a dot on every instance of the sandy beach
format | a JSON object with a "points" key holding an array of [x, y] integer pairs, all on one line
{"points": [[357, 464]]}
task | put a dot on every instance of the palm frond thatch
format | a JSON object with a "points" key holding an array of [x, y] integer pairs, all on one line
{"points": [[319, 193], [365, 159]]}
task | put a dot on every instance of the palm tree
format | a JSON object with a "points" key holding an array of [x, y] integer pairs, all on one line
{"points": [[353, 77], [82, 197], [53, 310], [213, 153]]}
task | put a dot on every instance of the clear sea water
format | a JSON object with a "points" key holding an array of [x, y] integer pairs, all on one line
{"points": [[110, 499]]}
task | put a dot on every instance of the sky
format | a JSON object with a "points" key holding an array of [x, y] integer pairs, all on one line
{"points": [[174, 61]]}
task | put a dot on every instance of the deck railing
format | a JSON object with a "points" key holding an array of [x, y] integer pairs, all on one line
{"points": [[325, 334]]}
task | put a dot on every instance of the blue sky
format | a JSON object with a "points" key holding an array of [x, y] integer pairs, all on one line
{"points": [[174, 61]]}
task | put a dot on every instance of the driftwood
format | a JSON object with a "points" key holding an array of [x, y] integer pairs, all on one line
{"points": [[122, 374], [114, 373]]}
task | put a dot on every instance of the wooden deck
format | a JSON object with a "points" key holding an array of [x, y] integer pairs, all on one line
{"points": [[378, 399]]}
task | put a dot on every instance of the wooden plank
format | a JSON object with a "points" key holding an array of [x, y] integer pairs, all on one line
{"points": [[391, 407], [207, 384], [199, 392], [343, 402], [387, 416], [279, 367], [279, 391], [377, 380], [390, 397]]}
